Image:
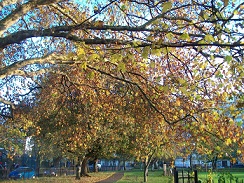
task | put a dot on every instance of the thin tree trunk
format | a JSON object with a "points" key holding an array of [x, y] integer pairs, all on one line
{"points": [[78, 169], [124, 164], [147, 162], [191, 162], [95, 165], [214, 162], [145, 172]]}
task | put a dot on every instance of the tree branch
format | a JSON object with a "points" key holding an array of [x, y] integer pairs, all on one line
{"points": [[63, 31], [15, 67], [13, 17]]}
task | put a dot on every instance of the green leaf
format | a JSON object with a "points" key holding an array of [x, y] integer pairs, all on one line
{"points": [[209, 38], [185, 36], [123, 7], [166, 6], [236, 12], [182, 81], [157, 52], [228, 58], [169, 35], [165, 89], [115, 58], [91, 75], [121, 67], [183, 89], [83, 65], [94, 56], [145, 52], [212, 57]]}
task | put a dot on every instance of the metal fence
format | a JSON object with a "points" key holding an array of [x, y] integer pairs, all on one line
{"points": [[185, 176]]}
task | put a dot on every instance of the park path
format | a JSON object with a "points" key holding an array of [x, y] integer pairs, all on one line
{"points": [[114, 178]]}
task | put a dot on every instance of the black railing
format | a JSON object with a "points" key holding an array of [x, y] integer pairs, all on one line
{"points": [[185, 176]]}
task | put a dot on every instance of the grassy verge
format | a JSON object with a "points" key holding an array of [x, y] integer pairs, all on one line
{"points": [[135, 176], [64, 179], [227, 175]]}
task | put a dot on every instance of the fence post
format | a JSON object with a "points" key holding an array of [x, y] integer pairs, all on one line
{"points": [[176, 176], [195, 176], [182, 174], [165, 169], [188, 175]]}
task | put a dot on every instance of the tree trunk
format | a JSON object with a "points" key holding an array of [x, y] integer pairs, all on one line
{"points": [[191, 162], [78, 169], [147, 162], [124, 165], [145, 171], [84, 171], [214, 162], [95, 167]]}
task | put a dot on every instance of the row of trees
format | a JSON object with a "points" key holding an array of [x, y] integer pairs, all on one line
{"points": [[135, 78]]}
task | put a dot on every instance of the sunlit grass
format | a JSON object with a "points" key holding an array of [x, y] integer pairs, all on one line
{"points": [[226, 173], [137, 176], [131, 176]]}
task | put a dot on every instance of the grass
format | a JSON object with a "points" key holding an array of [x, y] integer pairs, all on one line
{"points": [[135, 176], [227, 175], [64, 179]]}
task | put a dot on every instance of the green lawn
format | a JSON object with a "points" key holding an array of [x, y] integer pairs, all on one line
{"points": [[135, 176], [230, 176]]}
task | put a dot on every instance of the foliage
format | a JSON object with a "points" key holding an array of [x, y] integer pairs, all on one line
{"points": [[138, 75]]}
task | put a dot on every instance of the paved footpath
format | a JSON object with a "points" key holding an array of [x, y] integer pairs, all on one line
{"points": [[114, 178]]}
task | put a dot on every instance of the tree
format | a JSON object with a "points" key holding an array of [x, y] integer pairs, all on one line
{"points": [[38, 34], [174, 64]]}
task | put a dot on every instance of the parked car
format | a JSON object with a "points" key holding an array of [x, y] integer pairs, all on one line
{"points": [[22, 173]]}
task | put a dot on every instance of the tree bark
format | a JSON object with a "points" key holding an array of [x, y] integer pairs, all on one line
{"points": [[145, 171], [78, 170], [124, 165], [95, 167], [84, 171], [214, 162]]}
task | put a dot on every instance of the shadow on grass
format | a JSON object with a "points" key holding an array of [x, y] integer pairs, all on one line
{"points": [[95, 177]]}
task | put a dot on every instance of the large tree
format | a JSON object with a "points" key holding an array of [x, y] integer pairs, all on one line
{"points": [[185, 50], [180, 59]]}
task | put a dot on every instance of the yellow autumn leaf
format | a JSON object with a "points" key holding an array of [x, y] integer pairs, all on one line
{"points": [[228, 141], [177, 102], [80, 51]]}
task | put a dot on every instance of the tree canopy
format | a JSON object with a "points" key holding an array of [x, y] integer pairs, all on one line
{"points": [[175, 64]]}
